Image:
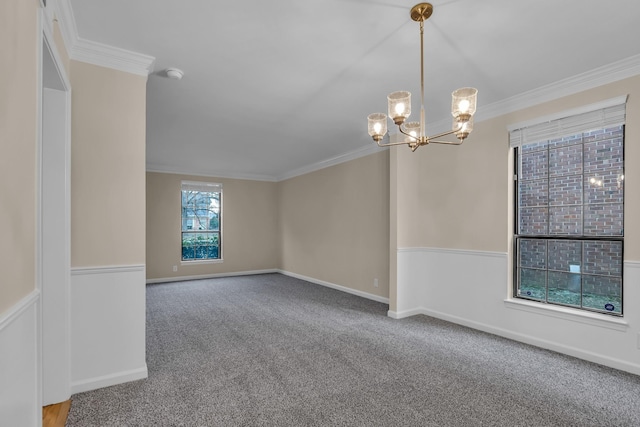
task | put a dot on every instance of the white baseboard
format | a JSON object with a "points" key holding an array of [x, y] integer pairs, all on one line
{"points": [[405, 313], [20, 385], [337, 287], [109, 380], [211, 276], [472, 288], [527, 339], [633, 368]]}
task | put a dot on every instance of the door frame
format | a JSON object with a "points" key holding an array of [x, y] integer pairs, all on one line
{"points": [[53, 194]]}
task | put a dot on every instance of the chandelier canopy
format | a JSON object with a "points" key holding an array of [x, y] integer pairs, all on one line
{"points": [[463, 105]]}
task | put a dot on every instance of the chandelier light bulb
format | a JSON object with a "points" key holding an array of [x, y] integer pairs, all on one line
{"points": [[399, 104], [463, 107], [412, 130], [463, 101], [377, 125]]}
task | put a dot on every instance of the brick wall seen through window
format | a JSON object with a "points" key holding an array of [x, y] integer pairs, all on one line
{"points": [[570, 220]]}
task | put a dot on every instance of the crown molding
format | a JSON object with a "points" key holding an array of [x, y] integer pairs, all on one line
{"points": [[342, 158], [351, 155], [112, 57], [600, 76], [98, 53], [153, 167], [66, 22]]}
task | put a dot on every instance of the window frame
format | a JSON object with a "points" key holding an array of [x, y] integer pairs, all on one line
{"points": [[548, 237], [203, 187]]}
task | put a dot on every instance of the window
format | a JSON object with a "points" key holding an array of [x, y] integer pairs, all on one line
{"points": [[201, 219], [569, 210]]}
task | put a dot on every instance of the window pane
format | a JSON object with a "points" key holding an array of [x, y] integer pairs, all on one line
{"points": [[213, 251], [565, 160], [565, 190], [214, 223], [603, 150], [602, 293], [603, 220], [533, 221], [565, 255], [532, 253], [200, 210], [534, 193], [603, 258], [532, 284], [202, 252], [534, 165], [564, 288], [604, 187], [565, 220], [200, 246], [188, 250]]}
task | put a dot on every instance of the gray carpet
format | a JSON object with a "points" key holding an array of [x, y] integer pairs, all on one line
{"points": [[270, 350]]}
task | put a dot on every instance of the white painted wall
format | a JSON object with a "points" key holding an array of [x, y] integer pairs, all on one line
{"points": [[412, 283], [471, 287], [19, 366], [108, 309]]}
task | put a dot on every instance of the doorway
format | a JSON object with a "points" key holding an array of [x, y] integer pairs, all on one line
{"points": [[54, 225]]}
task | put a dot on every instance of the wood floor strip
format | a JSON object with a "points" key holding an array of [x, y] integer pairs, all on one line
{"points": [[56, 415]]}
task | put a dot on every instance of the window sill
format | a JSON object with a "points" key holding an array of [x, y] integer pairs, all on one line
{"points": [[594, 319], [202, 261]]}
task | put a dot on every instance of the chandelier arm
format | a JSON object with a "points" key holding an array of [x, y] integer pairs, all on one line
{"points": [[440, 135], [387, 137], [446, 142], [391, 144]]}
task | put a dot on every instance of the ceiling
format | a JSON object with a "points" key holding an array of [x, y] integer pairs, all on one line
{"points": [[272, 89]]}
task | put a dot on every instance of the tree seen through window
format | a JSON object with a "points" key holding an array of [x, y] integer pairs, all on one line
{"points": [[201, 213]]}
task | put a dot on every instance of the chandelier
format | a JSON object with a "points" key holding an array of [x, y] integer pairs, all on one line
{"points": [[463, 105]]}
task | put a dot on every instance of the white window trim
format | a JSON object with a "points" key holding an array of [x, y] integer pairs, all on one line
{"points": [[565, 313], [202, 261], [205, 187]]}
